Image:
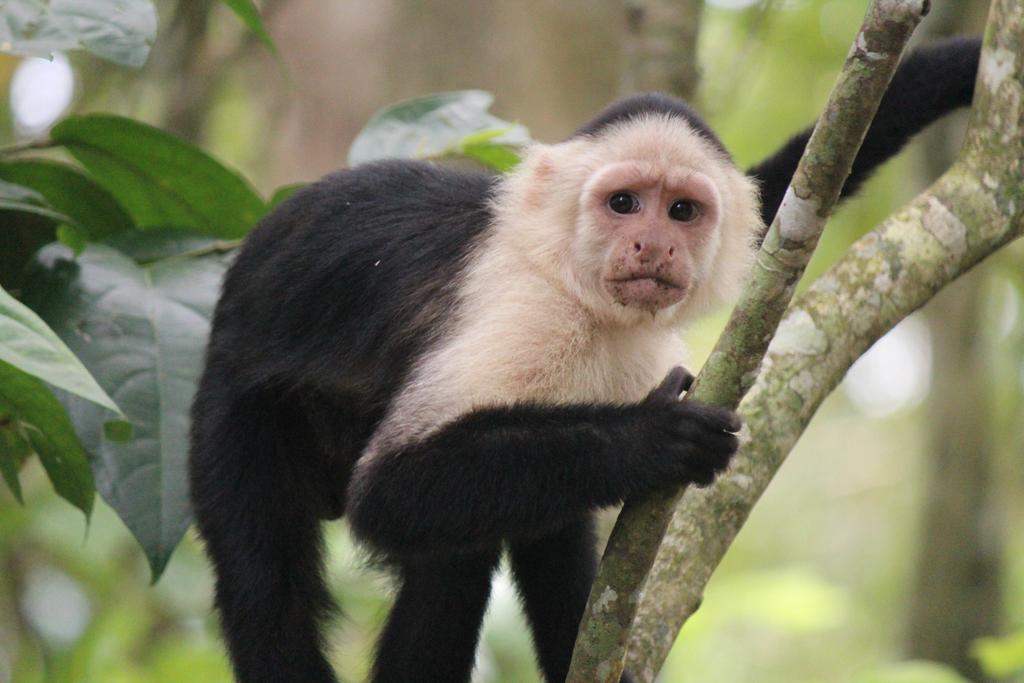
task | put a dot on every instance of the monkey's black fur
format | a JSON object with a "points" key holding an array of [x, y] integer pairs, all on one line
{"points": [[630, 108], [334, 296]]}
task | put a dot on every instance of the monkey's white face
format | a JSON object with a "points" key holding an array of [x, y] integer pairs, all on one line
{"points": [[654, 226], [645, 222]]}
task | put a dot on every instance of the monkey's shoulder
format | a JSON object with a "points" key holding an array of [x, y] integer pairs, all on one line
{"points": [[355, 268], [394, 194], [368, 229]]}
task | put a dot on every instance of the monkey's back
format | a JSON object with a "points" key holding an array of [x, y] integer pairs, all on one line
{"points": [[338, 286]]}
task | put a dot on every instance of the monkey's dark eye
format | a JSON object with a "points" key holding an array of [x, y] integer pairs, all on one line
{"points": [[685, 210], [624, 202]]}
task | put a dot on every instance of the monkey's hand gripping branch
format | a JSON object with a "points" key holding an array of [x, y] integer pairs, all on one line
{"points": [[732, 367]]}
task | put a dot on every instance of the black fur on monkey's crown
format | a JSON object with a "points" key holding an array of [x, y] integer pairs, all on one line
{"points": [[635, 106]]}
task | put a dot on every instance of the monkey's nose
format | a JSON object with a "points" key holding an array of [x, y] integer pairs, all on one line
{"points": [[646, 251]]}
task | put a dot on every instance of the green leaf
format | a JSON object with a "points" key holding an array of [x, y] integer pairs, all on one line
{"points": [[435, 126], [121, 31], [159, 179], [483, 147], [14, 197], [153, 245], [44, 424], [499, 157], [72, 193], [71, 237], [13, 451], [284, 192], [118, 431], [141, 330], [250, 16], [1000, 657], [28, 344]]}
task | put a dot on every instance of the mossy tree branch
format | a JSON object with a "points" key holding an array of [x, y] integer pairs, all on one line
{"points": [[733, 365], [973, 210]]}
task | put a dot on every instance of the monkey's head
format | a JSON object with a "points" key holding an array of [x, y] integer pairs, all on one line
{"points": [[641, 216]]}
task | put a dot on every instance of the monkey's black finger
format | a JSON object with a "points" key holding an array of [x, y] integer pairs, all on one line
{"points": [[714, 448], [675, 382], [720, 454], [711, 417]]}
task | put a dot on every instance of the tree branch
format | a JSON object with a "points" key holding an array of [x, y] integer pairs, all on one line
{"points": [[973, 210], [733, 364]]}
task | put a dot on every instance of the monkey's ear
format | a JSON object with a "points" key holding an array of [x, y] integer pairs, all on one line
{"points": [[543, 167], [540, 167]]}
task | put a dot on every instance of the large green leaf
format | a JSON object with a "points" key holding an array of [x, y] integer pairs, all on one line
{"points": [[250, 16], [444, 124], [29, 345], [119, 30], [141, 330], [70, 192], [159, 179], [42, 422]]}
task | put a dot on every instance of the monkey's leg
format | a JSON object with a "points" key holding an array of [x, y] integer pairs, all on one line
{"points": [[433, 629], [256, 507], [554, 575]]}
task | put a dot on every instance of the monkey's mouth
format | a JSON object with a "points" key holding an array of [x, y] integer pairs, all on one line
{"points": [[647, 292]]}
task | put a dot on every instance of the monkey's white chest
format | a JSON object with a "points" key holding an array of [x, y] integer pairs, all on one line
{"points": [[534, 361]]}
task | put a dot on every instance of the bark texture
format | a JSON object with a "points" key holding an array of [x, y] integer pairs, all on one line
{"points": [[976, 208], [733, 365]]}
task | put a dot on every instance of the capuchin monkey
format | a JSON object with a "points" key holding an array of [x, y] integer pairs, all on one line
{"points": [[465, 365]]}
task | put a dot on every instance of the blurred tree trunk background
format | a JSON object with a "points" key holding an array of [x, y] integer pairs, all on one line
{"points": [[660, 48], [956, 595], [553, 62]]}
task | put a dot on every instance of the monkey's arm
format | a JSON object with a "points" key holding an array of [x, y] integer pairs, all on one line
{"points": [[525, 470], [929, 83]]}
